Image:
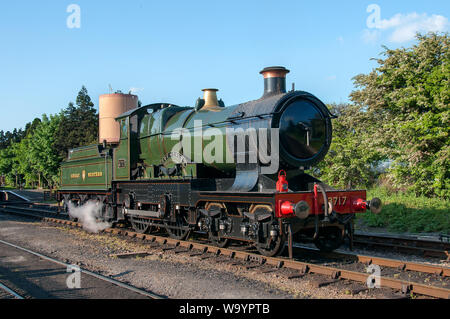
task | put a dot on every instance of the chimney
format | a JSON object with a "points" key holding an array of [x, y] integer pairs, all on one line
{"points": [[274, 80], [210, 98]]}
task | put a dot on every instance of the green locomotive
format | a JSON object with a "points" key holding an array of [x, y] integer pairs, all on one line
{"points": [[220, 170]]}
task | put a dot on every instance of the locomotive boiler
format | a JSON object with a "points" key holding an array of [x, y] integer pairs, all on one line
{"points": [[231, 173]]}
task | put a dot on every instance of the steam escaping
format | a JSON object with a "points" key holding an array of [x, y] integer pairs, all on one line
{"points": [[87, 215]]}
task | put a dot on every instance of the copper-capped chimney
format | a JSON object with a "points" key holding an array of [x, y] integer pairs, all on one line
{"points": [[274, 80]]}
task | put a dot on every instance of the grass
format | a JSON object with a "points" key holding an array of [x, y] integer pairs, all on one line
{"points": [[404, 212]]}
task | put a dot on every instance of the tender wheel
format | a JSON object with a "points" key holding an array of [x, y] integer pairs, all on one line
{"points": [[177, 233], [271, 247], [140, 225], [64, 207], [75, 204], [329, 239], [108, 213]]}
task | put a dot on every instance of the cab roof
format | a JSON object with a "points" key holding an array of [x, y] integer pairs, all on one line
{"points": [[144, 109]]}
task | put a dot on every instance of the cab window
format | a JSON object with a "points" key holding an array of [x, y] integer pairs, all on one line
{"points": [[124, 128]]}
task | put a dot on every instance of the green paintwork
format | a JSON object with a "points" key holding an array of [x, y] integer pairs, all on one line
{"points": [[146, 142], [121, 153], [87, 170], [155, 136], [90, 151], [213, 121]]}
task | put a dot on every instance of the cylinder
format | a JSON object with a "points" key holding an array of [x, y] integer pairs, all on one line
{"points": [[110, 107]]}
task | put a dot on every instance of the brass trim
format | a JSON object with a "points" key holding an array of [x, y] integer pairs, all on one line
{"points": [[256, 206], [210, 97]]}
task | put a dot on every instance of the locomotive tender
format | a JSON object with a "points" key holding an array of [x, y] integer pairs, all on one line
{"points": [[201, 169]]}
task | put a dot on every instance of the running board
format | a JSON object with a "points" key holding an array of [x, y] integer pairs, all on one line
{"points": [[143, 213]]}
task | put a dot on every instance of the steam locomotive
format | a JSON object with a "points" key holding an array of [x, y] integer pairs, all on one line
{"points": [[233, 173]]}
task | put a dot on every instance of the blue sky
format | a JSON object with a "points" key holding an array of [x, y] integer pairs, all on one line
{"points": [[169, 51]]}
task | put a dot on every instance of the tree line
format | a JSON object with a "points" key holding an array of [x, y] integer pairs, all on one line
{"points": [[393, 133], [31, 157]]}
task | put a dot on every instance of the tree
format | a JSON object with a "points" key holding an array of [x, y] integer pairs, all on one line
{"points": [[406, 100], [23, 160], [6, 165], [43, 156], [353, 156], [8, 138], [30, 127], [78, 126], [2, 140]]}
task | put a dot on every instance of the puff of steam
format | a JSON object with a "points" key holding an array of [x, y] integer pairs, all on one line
{"points": [[87, 215]]}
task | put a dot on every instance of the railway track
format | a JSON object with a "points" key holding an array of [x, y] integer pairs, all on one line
{"points": [[333, 273], [85, 271], [28, 210], [301, 268], [8, 293], [415, 245], [380, 261]]}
